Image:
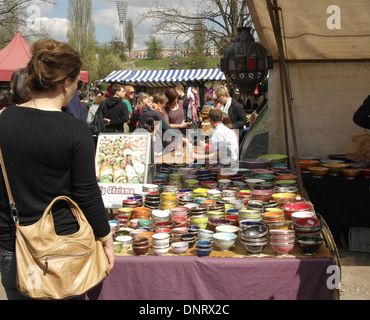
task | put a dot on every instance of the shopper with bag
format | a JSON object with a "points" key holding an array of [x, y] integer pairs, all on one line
{"points": [[55, 239]]}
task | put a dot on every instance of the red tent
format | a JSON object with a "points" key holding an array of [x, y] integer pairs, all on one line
{"points": [[16, 55]]}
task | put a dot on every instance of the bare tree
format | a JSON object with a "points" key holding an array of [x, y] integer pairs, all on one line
{"points": [[14, 16], [221, 18]]}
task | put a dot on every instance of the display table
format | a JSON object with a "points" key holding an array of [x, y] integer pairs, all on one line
{"points": [[342, 202], [189, 277]]}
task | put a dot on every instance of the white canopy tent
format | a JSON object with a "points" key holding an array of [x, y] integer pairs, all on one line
{"points": [[327, 53]]}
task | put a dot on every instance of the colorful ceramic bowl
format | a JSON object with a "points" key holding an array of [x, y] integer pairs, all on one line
{"points": [[275, 158], [305, 163], [294, 207], [335, 168], [350, 173], [318, 172]]}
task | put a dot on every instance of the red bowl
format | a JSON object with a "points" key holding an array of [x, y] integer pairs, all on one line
{"points": [[163, 230], [365, 172], [307, 222], [293, 207], [304, 164]]}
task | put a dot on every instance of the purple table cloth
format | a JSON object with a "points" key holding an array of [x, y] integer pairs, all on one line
{"points": [[209, 278]]}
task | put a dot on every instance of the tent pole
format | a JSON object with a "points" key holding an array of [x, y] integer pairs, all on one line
{"points": [[274, 17], [284, 111]]}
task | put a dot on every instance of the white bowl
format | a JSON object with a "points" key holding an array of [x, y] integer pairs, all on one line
{"points": [[228, 229], [124, 239], [302, 214], [224, 241], [180, 247], [160, 250]]}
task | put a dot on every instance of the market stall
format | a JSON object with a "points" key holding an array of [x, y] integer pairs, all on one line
{"points": [[16, 55], [193, 204]]}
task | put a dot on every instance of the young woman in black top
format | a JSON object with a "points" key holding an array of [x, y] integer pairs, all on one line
{"points": [[48, 153]]}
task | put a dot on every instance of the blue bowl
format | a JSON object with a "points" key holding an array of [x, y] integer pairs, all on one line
{"points": [[203, 252], [232, 211], [204, 244]]}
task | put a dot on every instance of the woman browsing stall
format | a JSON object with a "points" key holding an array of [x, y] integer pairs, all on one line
{"points": [[48, 153]]}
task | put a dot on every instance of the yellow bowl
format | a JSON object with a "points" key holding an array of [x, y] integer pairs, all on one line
{"points": [[168, 196], [318, 172], [335, 168], [199, 219], [351, 173], [278, 196], [274, 210]]}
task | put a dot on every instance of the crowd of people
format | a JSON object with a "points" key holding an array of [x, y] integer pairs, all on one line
{"points": [[124, 110]]}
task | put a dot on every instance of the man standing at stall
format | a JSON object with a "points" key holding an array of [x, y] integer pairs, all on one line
{"points": [[233, 108]]}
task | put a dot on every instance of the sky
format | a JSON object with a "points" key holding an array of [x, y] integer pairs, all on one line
{"points": [[54, 19]]}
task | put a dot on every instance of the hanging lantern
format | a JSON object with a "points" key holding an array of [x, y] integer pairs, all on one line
{"points": [[245, 62]]}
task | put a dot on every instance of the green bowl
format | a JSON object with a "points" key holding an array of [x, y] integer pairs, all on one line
{"points": [[275, 158], [265, 176]]}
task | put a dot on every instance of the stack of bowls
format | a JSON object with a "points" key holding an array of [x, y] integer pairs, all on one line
{"points": [[147, 235], [179, 212], [160, 216], [310, 244], [117, 246], [142, 213], [168, 200], [161, 243], [273, 217], [171, 188], [193, 229], [205, 234], [215, 214], [145, 224], [162, 225], [122, 220], [126, 212], [249, 214], [255, 205], [251, 182], [189, 238], [282, 241], [200, 193], [130, 203], [254, 238], [152, 201], [180, 247], [307, 227], [233, 218], [191, 184], [213, 194], [179, 222], [114, 225], [208, 185], [204, 175], [139, 199], [224, 241], [198, 210], [204, 248], [207, 203], [183, 200], [126, 242], [224, 183], [135, 233], [200, 220], [178, 232], [294, 207], [140, 246]]}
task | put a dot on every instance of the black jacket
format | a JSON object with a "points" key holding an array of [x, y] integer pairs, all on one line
{"points": [[237, 116], [362, 115], [115, 110]]}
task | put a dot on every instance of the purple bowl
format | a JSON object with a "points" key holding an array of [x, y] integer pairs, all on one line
{"points": [[254, 163]]}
